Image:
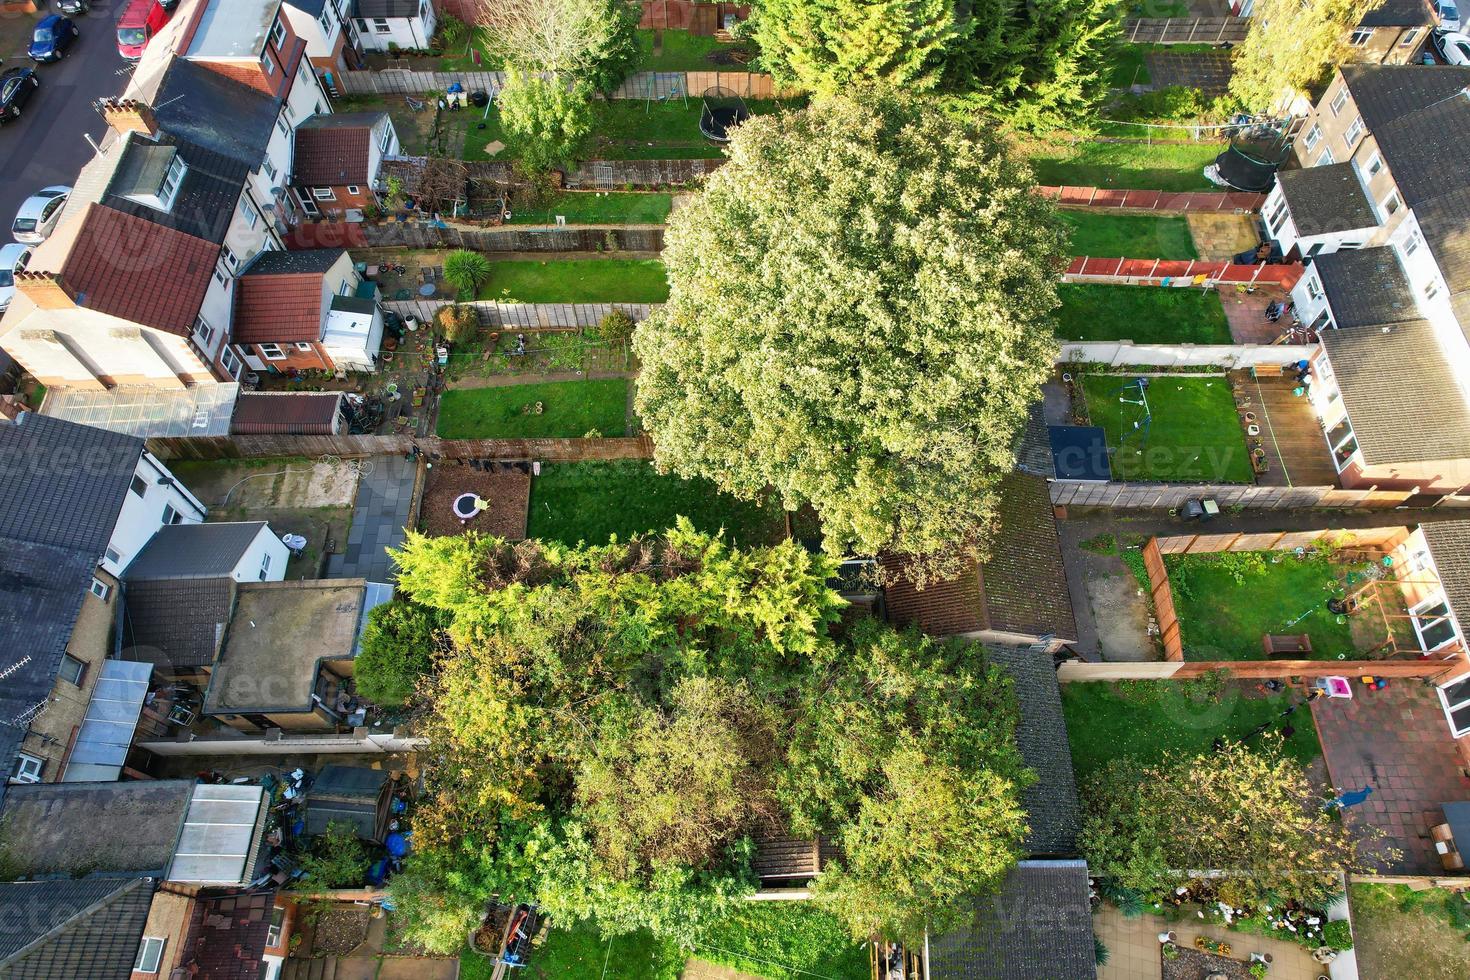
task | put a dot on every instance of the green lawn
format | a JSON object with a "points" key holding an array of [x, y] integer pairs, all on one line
{"points": [[580, 953], [682, 51], [1107, 235], [1132, 166], [1129, 67], [570, 409], [589, 281], [785, 941], [573, 502], [1145, 720], [1399, 931], [1193, 434], [595, 208], [633, 129], [1227, 602], [1142, 314]]}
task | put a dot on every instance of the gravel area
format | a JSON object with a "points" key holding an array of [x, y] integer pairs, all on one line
{"points": [[508, 490], [1191, 964], [340, 930]]}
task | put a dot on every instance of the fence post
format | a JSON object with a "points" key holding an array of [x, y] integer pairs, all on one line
{"points": [[1192, 28]]}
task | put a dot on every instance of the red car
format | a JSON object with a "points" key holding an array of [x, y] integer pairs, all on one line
{"points": [[140, 20]]}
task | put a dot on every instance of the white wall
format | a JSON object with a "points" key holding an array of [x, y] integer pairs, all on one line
{"points": [[406, 32], [375, 151], [142, 516], [95, 343], [265, 544], [1184, 355], [319, 40]]}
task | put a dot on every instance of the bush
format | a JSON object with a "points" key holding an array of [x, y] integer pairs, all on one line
{"points": [[457, 324], [337, 859], [397, 647], [616, 327], [453, 33], [467, 271], [1338, 934]]}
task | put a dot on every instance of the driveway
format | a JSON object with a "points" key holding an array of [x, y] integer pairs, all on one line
{"points": [[46, 145]]}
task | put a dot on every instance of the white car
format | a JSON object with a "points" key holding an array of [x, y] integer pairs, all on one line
{"points": [[1454, 47], [39, 214], [13, 259], [1449, 15]]}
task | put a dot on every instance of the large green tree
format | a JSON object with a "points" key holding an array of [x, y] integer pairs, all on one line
{"points": [[860, 316], [1039, 65], [593, 42], [617, 723], [1291, 47], [547, 120]]}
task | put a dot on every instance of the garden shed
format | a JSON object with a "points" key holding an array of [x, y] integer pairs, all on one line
{"points": [[355, 795]]}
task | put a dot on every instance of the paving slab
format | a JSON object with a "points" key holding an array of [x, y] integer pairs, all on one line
{"points": [[382, 510]]}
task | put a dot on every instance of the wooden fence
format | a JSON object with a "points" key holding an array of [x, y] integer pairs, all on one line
{"points": [[1386, 538], [1180, 272], [1186, 30], [1080, 672], [547, 450], [1163, 600], [702, 18], [661, 86], [526, 316], [1226, 202], [505, 238], [608, 175], [1163, 496]]}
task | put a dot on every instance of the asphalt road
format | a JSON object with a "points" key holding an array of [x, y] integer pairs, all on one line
{"points": [[46, 144]]}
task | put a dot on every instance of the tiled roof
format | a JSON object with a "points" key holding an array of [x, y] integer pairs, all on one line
{"points": [[136, 270], [279, 298], [1052, 807], [1384, 93], [89, 928], [62, 491], [1023, 580], [287, 413], [1038, 928], [218, 113], [1366, 287], [940, 608], [1400, 393], [193, 551], [177, 624], [206, 199], [1399, 13], [1327, 198], [1449, 545], [334, 150], [227, 936]]}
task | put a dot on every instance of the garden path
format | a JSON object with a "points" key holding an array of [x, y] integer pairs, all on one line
{"points": [[1134, 946]]}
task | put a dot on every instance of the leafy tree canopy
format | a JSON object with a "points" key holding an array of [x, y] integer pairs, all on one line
{"points": [[859, 317], [1040, 65], [1291, 47], [547, 119], [397, 649], [593, 42], [615, 724]]}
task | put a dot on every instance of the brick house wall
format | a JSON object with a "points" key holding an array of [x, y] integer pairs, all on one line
{"points": [[346, 199], [315, 359]]}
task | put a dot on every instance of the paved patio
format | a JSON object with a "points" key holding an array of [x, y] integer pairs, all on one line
{"points": [[1133, 945], [1220, 237], [382, 511], [1208, 71], [1397, 741], [1246, 314]]}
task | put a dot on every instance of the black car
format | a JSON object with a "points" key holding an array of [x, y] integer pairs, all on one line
{"points": [[74, 6], [16, 88]]}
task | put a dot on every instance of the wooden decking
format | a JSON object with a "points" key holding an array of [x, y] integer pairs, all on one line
{"points": [[1295, 449]]}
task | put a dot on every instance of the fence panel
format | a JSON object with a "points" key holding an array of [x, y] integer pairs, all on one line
{"points": [[1179, 273], [506, 238], [1186, 30], [525, 316], [1159, 496], [1223, 202], [549, 450], [642, 85], [1079, 672], [1120, 352], [1163, 597]]}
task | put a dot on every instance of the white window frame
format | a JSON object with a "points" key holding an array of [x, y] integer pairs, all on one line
{"points": [[1436, 599], [1398, 204], [1314, 286], [1314, 136], [1410, 36], [230, 258], [1431, 289], [278, 33], [1326, 158], [138, 485], [100, 589], [326, 20], [354, 189], [1332, 447], [1361, 36], [150, 954], [1375, 165], [173, 179], [381, 26], [202, 329], [28, 768], [267, 64], [387, 139], [304, 347], [112, 555], [268, 168], [250, 212], [265, 566], [1450, 708], [323, 194], [226, 355], [171, 515], [81, 669], [265, 352], [276, 928], [1340, 99], [1353, 132]]}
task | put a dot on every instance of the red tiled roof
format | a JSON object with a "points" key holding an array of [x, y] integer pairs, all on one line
{"points": [[941, 608], [279, 308], [139, 271], [291, 413], [227, 934], [331, 156]]}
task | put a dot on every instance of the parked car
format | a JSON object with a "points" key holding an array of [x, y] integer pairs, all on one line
{"points": [[39, 214], [51, 39], [1454, 47], [13, 258], [16, 88], [140, 20], [1449, 15], [74, 6]]}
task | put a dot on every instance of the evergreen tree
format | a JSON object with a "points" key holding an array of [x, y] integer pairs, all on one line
{"points": [[1291, 48]]}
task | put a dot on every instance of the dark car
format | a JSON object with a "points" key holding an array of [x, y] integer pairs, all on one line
{"points": [[51, 39], [74, 6], [16, 88]]}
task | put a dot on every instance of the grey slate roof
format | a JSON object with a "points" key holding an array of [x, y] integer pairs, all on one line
{"points": [[217, 113], [1449, 544], [206, 199], [1399, 392], [1366, 287], [1384, 93], [1399, 13], [312, 7], [1052, 806], [386, 8], [1038, 928], [193, 551], [114, 830], [345, 794], [1328, 198], [61, 488], [89, 928], [178, 624], [307, 261]]}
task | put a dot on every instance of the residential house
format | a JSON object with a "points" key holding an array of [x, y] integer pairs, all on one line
{"points": [[214, 935], [331, 44], [1380, 214], [88, 928], [301, 311], [1395, 33], [337, 162], [76, 506], [388, 25]]}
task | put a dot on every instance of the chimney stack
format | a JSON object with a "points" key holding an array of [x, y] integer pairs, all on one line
{"points": [[46, 289], [126, 116]]}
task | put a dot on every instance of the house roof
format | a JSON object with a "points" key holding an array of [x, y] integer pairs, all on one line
{"points": [[227, 937], [332, 150], [220, 840], [131, 268], [346, 794], [1326, 198], [289, 413], [62, 491], [198, 104], [279, 298], [944, 608], [1052, 806], [1449, 545], [194, 551], [1399, 13], [233, 28], [1384, 93], [89, 928], [386, 8], [206, 198], [95, 829], [101, 745], [1400, 393], [1038, 928], [1366, 286], [176, 624]]}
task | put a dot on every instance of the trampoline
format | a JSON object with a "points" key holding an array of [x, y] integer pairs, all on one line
{"points": [[723, 111], [1251, 160]]}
